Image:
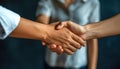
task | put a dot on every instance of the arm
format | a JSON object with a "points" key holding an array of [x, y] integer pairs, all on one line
{"points": [[22, 28], [33, 30], [93, 43], [108, 27], [43, 11], [92, 53], [30, 30], [43, 19]]}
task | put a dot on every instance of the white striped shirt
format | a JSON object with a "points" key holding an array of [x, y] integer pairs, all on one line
{"points": [[8, 22]]}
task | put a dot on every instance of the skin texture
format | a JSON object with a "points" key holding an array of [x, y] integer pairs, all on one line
{"points": [[108, 27], [33, 30], [95, 30], [92, 44]]}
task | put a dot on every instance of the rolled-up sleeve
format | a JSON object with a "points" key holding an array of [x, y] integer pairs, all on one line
{"points": [[44, 7], [8, 22]]}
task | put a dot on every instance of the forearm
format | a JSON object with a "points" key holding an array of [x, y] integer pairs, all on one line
{"points": [[33, 30], [104, 28], [92, 53], [43, 19], [29, 29]]}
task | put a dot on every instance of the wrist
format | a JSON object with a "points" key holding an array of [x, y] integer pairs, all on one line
{"points": [[90, 31], [42, 31]]}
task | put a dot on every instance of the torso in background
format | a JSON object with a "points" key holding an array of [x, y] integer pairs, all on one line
{"points": [[81, 12]]}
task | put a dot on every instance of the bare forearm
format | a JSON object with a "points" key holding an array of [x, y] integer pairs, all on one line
{"points": [[43, 19], [29, 29], [92, 53], [33, 30], [104, 28]]}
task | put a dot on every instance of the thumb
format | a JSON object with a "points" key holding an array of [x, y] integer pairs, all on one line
{"points": [[61, 25]]}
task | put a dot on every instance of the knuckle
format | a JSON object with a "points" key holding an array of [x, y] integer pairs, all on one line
{"points": [[65, 46], [68, 39], [67, 30], [78, 46], [81, 42]]}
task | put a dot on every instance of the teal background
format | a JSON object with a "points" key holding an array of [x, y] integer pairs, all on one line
{"points": [[29, 54]]}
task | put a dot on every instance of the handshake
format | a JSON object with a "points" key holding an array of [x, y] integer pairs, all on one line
{"points": [[67, 37]]}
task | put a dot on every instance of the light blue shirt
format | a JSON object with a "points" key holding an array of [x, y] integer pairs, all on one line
{"points": [[8, 22], [81, 12]]}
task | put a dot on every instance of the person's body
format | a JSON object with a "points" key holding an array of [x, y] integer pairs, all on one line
{"points": [[11, 24], [79, 11]]}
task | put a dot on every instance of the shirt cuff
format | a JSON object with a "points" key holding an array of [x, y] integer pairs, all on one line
{"points": [[9, 21]]}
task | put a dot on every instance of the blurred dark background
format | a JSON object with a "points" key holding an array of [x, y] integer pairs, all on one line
{"points": [[29, 54]]}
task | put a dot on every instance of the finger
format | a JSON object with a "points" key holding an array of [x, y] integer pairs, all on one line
{"points": [[52, 47], [75, 44], [68, 51], [79, 40], [71, 48], [84, 37], [60, 50], [61, 25], [43, 43]]}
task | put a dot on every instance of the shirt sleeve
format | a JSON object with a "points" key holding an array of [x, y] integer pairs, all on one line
{"points": [[44, 7], [8, 22], [95, 14]]}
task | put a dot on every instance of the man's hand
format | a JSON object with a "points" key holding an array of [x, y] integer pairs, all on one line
{"points": [[76, 29], [65, 38], [73, 27]]}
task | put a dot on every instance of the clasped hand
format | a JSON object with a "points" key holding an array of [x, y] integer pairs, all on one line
{"points": [[65, 38]]}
